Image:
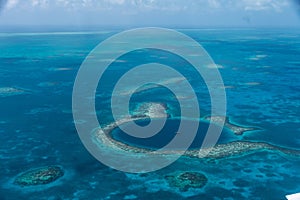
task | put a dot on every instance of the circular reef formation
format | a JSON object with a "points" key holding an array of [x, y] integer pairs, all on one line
{"points": [[39, 176], [103, 137], [186, 180]]}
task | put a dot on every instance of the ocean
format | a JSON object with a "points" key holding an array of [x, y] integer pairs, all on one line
{"points": [[261, 73]]}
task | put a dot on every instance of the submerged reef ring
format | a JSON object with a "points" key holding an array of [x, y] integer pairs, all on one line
{"points": [[104, 56], [186, 180], [103, 137], [39, 176]]}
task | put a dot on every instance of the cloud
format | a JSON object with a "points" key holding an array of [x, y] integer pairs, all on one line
{"points": [[261, 5], [119, 2], [172, 5], [150, 12], [11, 4], [40, 3]]}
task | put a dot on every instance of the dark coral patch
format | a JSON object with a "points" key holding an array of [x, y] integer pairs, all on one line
{"points": [[39, 176], [186, 180]]}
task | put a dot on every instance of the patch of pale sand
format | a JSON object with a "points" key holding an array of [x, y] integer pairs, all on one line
{"points": [[252, 83], [62, 69], [227, 87], [10, 91], [47, 84], [257, 57], [215, 66]]}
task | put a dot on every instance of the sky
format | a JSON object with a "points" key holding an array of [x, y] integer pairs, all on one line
{"points": [[137, 13]]}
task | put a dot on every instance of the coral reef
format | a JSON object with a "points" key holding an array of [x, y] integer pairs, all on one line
{"points": [[186, 180], [155, 110], [10, 91], [236, 129], [39, 176], [239, 148]]}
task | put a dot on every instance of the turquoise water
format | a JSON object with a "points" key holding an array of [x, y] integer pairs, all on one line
{"points": [[261, 69]]}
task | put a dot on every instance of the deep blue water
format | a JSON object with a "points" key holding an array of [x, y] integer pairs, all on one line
{"points": [[261, 68], [166, 134]]}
